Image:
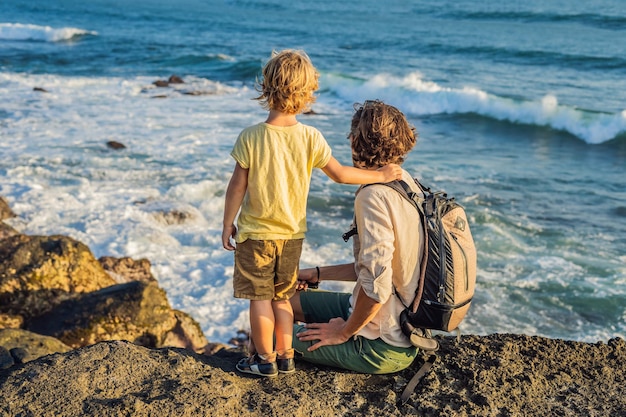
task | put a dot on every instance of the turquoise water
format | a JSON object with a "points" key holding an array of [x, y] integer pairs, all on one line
{"points": [[521, 111]]}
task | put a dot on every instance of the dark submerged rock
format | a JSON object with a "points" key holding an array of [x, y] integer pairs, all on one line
{"points": [[115, 145], [175, 79]]}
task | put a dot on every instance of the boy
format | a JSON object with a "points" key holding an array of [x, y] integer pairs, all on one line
{"points": [[270, 184]]}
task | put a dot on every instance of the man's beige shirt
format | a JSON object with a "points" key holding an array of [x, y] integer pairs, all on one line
{"points": [[387, 252]]}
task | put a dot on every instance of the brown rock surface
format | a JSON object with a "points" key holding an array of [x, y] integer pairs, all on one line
{"points": [[5, 210], [7, 231], [36, 272], [127, 269], [34, 345], [11, 321], [136, 311], [496, 375]]}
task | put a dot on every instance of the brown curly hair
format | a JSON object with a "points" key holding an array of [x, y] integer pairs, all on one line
{"points": [[380, 135], [289, 81]]}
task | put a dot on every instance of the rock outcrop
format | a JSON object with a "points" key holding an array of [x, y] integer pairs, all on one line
{"points": [[53, 286], [37, 272], [496, 375]]}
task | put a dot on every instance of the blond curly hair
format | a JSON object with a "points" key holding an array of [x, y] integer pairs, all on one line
{"points": [[380, 135], [289, 82]]}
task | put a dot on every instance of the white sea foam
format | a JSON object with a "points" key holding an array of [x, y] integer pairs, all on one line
{"points": [[421, 97], [30, 32]]}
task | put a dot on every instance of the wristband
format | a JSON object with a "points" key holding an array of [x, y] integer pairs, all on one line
{"points": [[316, 283]]}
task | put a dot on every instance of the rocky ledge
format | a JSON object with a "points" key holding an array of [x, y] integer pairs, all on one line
{"points": [[496, 375], [80, 336]]}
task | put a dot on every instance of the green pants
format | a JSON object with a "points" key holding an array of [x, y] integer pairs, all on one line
{"points": [[357, 354]]}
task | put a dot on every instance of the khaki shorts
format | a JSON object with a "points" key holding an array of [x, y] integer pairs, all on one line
{"points": [[267, 269]]}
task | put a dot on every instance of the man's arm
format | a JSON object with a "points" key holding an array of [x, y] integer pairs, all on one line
{"points": [[342, 272], [232, 202], [350, 175], [338, 330]]}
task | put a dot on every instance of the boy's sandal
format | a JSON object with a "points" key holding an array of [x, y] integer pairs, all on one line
{"points": [[253, 365], [286, 366]]}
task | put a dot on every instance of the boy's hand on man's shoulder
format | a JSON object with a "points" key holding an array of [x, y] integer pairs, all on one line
{"points": [[391, 172]]}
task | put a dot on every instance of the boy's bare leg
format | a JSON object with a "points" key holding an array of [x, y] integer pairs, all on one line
{"points": [[284, 325], [262, 324]]}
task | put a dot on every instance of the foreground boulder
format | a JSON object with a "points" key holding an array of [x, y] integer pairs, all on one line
{"points": [[136, 311], [53, 286], [496, 375], [37, 272]]}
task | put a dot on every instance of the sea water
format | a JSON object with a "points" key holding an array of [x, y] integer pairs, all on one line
{"points": [[520, 108]]}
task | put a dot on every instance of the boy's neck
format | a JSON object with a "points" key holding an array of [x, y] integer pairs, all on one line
{"points": [[277, 118]]}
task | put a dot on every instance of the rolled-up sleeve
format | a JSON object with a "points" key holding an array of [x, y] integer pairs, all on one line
{"points": [[376, 244]]}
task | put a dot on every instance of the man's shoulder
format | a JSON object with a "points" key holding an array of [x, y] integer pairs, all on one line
{"points": [[381, 192]]}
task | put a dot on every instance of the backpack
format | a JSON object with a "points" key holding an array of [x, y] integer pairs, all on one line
{"points": [[448, 270]]}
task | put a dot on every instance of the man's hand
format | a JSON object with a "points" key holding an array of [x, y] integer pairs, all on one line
{"points": [[227, 233], [391, 172], [306, 276], [327, 334]]}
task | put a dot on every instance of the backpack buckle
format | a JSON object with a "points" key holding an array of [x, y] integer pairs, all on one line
{"points": [[420, 338], [346, 236]]}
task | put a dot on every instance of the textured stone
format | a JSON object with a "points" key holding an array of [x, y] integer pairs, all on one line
{"points": [[31, 345], [36, 272], [495, 375], [5, 210], [126, 269]]}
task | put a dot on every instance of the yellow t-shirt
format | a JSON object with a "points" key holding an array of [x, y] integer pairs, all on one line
{"points": [[280, 161]]}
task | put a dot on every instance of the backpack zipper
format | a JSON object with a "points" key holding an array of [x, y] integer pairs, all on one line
{"points": [[464, 257]]}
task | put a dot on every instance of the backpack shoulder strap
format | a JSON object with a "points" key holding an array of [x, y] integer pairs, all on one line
{"points": [[405, 191], [402, 188], [410, 387]]}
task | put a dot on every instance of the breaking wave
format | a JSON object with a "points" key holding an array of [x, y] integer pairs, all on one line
{"points": [[29, 32]]}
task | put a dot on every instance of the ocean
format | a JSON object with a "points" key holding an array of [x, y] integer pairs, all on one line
{"points": [[520, 109]]}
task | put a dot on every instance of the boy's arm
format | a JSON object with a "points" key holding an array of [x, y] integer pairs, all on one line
{"points": [[234, 197], [351, 175]]}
